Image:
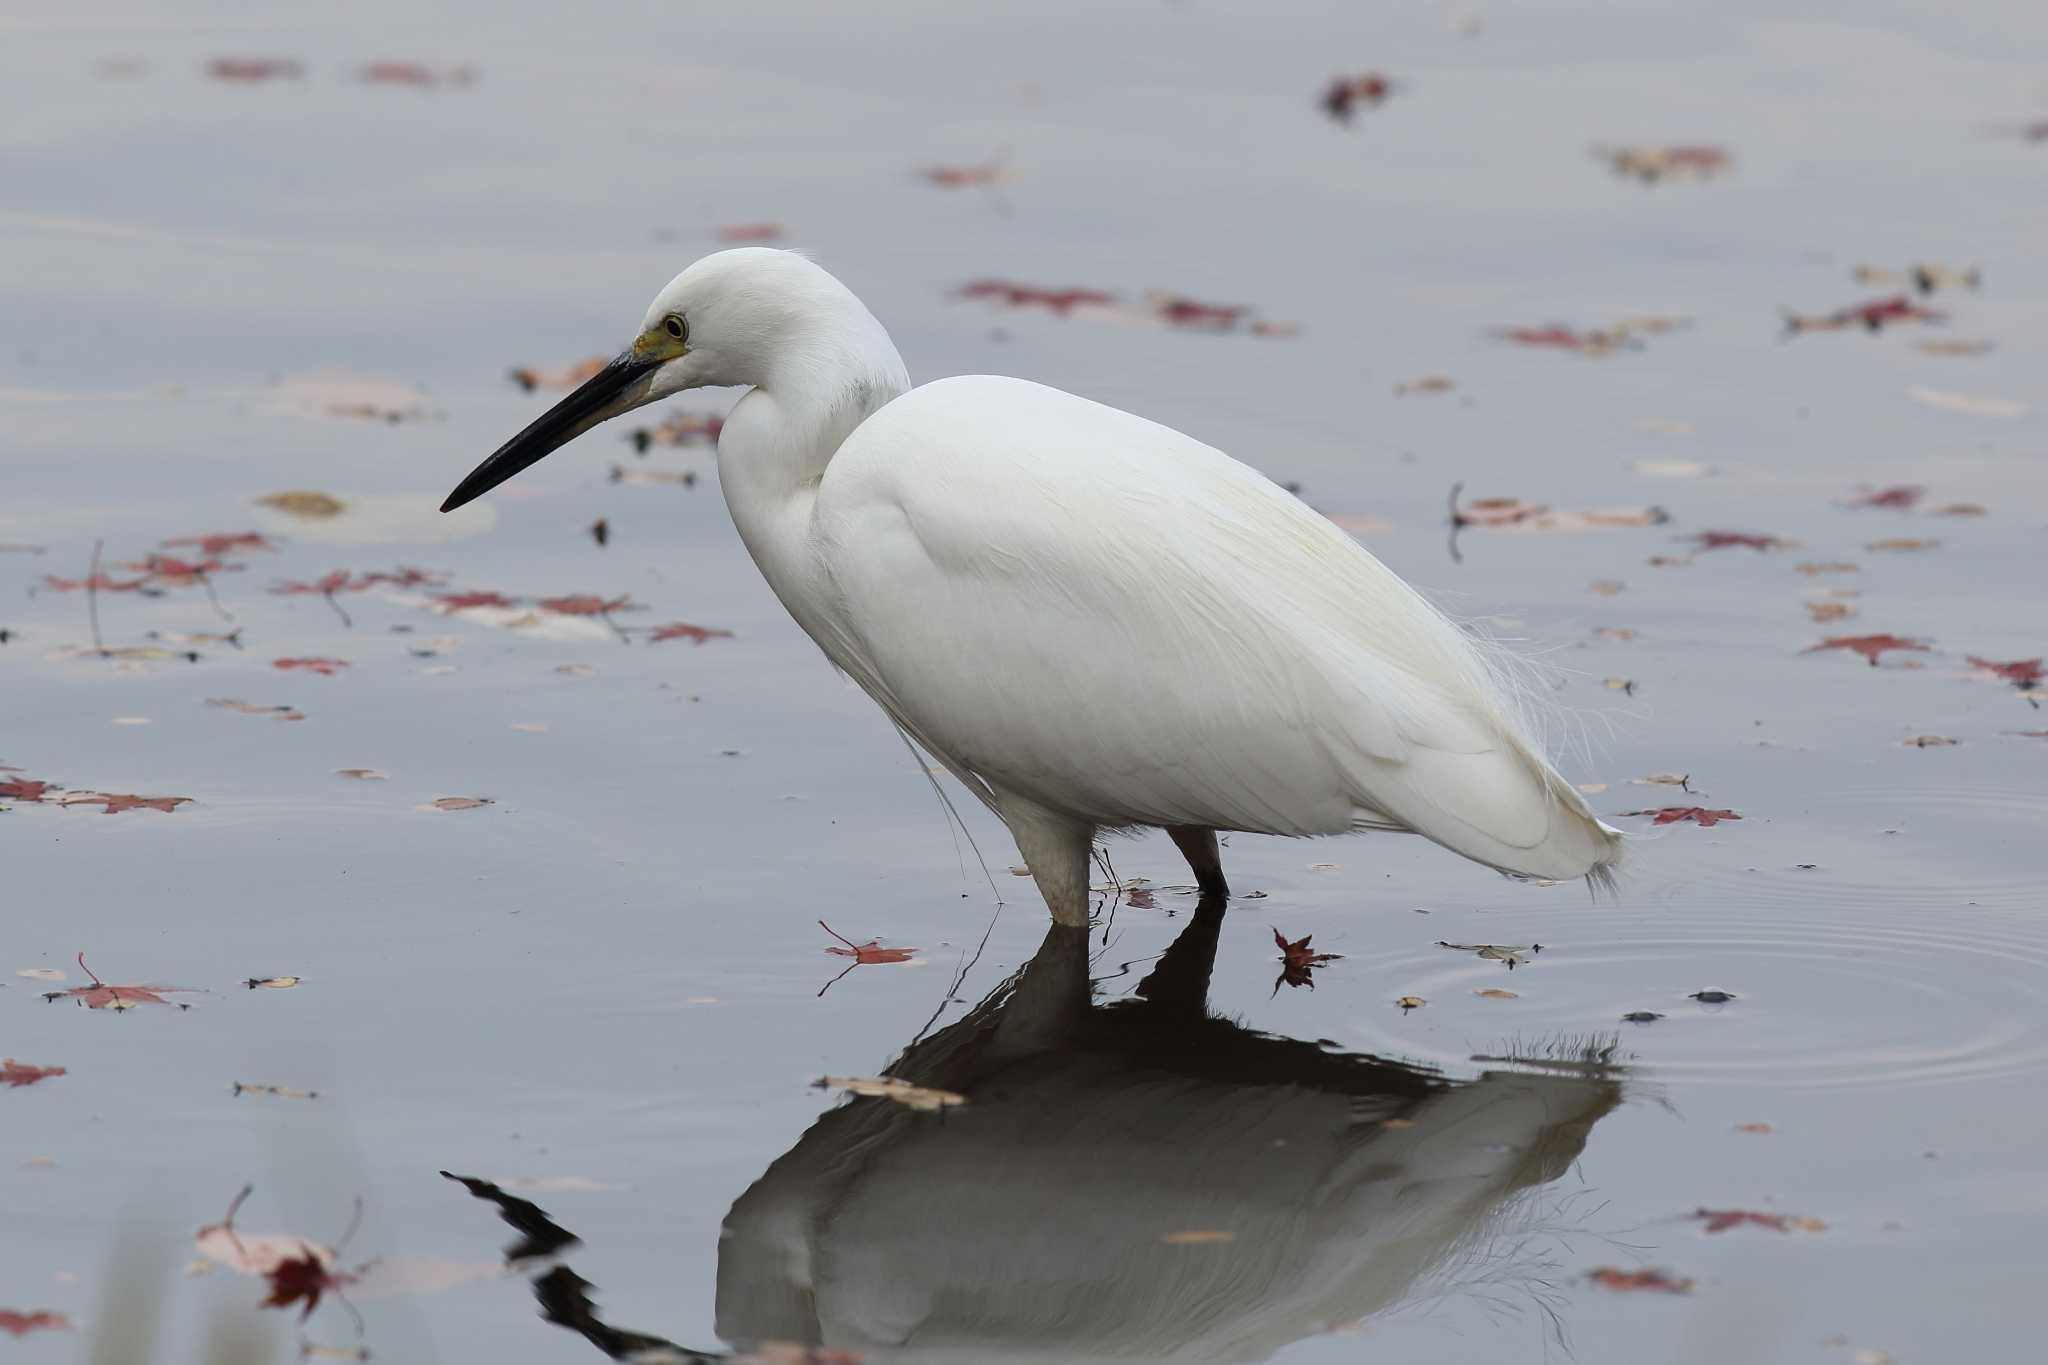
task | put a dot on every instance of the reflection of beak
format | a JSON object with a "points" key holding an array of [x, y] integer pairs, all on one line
{"points": [[619, 387]]}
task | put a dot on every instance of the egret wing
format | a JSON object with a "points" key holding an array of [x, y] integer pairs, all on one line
{"points": [[1107, 617]]}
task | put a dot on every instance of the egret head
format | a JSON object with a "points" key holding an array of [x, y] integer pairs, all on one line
{"points": [[734, 318]]}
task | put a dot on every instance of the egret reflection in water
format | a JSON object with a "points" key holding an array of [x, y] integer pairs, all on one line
{"points": [[1136, 1181]]}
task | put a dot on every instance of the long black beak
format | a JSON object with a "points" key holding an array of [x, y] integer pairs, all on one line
{"points": [[566, 420]]}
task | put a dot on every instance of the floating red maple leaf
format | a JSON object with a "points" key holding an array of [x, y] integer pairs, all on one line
{"points": [[306, 1277], [1873, 316], [1699, 815], [100, 996], [1722, 540], [42, 1320], [1720, 1220], [326, 668], [1662, 1281], [1298, 961], [1901, 496], [457, 601], [98, 582], [219, 543], [249, 70], [1344, 94], [25, 789], [1013, 295], [113, 803], [180, 572], [2025, 674], [324, 586], [1176, 311], [589, 604], [871, 951], [683, 630], [15, 1074], [959, 177], [1869, 646]]}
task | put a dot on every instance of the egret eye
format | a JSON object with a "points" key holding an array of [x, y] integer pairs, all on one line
{"points": [[676, 327]]}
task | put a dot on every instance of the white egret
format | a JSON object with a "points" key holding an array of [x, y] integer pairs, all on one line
{"points": [[1091, 620]]}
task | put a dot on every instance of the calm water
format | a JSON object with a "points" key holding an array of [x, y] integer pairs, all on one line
{"points": [[601, 991]]}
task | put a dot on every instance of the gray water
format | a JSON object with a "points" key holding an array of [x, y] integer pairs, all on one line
{"points": [[602, 989]]}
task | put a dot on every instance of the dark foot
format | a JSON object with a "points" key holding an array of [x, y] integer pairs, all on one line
{"points": [[1198, 846]]}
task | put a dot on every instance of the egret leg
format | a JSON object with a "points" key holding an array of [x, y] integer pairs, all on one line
{"points": [[1056, 849], [1198, 846]]}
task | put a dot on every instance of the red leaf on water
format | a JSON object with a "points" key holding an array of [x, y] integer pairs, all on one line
{"points": [[1721, 540], [100, 996], [325, 586], [588, 604], [1298, 961], [1662, 1281], [1343, 96], [219, 543], [1013, 295], [404, 576], [456, 601], [25, 789], [42, 1320], [750, 232], [1869, 646], [959, 177], [1699, 815], [304, 1277], [416, 74], [1902, 496], [99, 581], [683, 630], [17, 1074], [180, 572], [326, 668], [1720, 1220], [1176, 311], [871, 951], [2025, 674], [1873, 316]]}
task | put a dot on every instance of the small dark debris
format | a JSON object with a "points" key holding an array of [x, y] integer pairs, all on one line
{"points": [[1711, 997]]}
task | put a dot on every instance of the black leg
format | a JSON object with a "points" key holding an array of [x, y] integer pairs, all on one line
{"points": [[1198, 846]]}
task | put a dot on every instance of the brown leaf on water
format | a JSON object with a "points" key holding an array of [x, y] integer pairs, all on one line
{"points": [[274, 983], [1871, 647], [1617, 633], [1722, 540], [1873, 316], [1624, 1281], [1901, 544], [100, 996], [305, 503], [254, 70], [1607, 587], [1671, 815], [1429, 383], [417, 75], [29, 789], [1813, 568], [1013, 295], [925, 1099], [1496, 993], [1929, 742], [559, 376], [1410, 1002], [1829, 611], [281, 1092], [362, 774], [681, 429], [114, 803], [326, 668], [1514, 955], [1901, 497], [459, 803], [14, 1075], [253, 709], [2025, 674], [589, 604], [1653, 163], [1954, 346], [750, 232], [1960, 509], [1758, 1128]]}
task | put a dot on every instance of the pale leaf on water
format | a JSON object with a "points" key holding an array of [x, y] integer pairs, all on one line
{"points": [[922, 1098]]}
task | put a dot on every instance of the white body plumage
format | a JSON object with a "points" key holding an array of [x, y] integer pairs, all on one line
{"points": [[1090, 619]]}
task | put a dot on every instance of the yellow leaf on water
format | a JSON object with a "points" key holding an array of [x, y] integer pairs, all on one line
{"points": [[1197, 1237], [1495, 993], [1411, 1002], [922, 1098], [304, 502]]}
